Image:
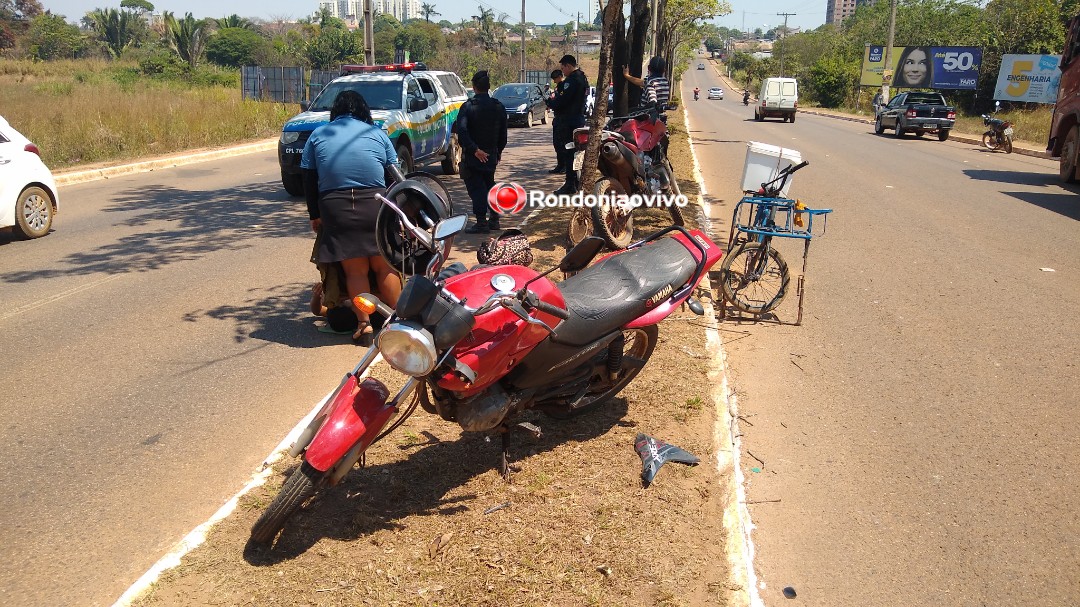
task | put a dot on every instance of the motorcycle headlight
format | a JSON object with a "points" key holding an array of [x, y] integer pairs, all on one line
{"points": [[523, 107], [288, 137], [408, 347]]}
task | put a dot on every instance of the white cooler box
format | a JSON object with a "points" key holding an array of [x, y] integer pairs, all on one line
{"points": [[764, 162]]}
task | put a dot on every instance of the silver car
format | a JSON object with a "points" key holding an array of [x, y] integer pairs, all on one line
{"points": [[716, 93]]}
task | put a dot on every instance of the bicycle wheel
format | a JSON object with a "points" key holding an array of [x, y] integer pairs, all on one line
{"points": [[754, 278]]}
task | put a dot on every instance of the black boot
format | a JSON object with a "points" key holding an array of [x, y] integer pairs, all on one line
{"points": [[493, 224], [480, 227], [559, 169]]}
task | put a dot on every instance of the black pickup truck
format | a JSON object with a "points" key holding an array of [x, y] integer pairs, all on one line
{"points": [[919, 113]]}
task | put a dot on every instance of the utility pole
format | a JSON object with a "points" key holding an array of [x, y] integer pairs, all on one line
{"points": [[782, 36], [886, 72], [523, 44], [369, 34]]}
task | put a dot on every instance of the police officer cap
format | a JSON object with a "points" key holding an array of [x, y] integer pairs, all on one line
{"points": [[568, 60]]}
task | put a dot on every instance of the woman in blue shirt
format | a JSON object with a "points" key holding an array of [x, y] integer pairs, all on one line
{"points": [[344, 165]]}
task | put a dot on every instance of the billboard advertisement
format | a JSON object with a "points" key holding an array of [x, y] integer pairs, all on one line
{"points": [[1029, 78], [928, 67]]}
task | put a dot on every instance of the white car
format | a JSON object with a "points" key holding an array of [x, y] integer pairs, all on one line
{"points": [[28, 199], [716, 93]]}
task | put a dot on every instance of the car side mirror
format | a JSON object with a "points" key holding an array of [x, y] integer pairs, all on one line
{"points": [[582, 254], [304, 105], [417, 104]]}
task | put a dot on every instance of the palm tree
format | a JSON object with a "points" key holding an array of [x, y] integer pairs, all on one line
{"points": [[234, 21], [428, 11], [187, 37], [117, 29]]}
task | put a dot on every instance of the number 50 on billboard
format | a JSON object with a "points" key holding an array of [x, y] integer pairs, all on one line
{"points": [[928, 67]]}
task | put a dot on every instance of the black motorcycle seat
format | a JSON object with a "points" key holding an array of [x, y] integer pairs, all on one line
{"points": [[615, 291]]}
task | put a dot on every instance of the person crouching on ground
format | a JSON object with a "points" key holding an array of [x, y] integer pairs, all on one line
{"points": [[344, 163], [481, 130]]}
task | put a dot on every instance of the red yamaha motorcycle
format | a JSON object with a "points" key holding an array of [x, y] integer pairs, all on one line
{"points": [[633, 161], [479, 346]]}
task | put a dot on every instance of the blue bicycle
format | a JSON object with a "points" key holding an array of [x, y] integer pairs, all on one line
{"points": [[754, 276]]}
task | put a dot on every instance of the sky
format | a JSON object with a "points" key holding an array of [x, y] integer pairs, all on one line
{"points": [[746, 14]]}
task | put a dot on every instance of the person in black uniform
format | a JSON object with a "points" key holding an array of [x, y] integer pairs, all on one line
{"points": [[569, 107], [556, 80], [481, 131]]}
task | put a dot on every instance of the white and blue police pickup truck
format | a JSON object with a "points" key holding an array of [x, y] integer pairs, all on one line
{"points": [[416, 107]]}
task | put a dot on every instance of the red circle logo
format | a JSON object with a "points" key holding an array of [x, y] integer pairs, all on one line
{"points": [[507, 198]]}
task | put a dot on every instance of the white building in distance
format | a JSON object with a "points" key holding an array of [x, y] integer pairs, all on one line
{"points": [[353, 10]]}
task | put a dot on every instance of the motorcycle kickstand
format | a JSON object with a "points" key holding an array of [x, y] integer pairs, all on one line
{"points": [[505, 467]]}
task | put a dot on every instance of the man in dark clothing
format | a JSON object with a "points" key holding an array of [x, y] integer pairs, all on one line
{"points": [[569, 107], [556, 80], [481, 131]]}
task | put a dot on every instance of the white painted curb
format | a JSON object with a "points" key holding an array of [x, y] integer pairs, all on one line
{"points": [[737, 523]]}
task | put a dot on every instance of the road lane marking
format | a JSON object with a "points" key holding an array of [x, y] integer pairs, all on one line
{"points": [[57, 297]]}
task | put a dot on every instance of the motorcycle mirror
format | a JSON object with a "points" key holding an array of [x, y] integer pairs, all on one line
{"points": [[450, 226], [582, 254]]}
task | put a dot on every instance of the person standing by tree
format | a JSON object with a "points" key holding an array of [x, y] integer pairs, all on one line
{"points": [[569, 107], [556, 80], [657, 88], [481, 130]]}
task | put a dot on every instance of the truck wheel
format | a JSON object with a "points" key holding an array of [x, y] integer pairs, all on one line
{"points": [[792, 119], [293, 184], [1067, 166], [543, 117], [758, 116], [899, 132], [451, 163], [878, 127], [919, 132], [943, 134]]}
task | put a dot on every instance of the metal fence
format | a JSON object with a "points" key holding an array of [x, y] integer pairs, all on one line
{"points": [[283, 84]]}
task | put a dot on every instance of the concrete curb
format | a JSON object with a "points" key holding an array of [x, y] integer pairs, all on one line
{"points": [[143, 166], [953, 137]]}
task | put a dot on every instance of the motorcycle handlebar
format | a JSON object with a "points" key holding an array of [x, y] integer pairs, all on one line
{"points": [[551, 309]]}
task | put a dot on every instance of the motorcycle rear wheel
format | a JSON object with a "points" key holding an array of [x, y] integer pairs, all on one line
{"points": [[614, 225], [580, 226], [637, 349], [300, 487], [1008, 145]]}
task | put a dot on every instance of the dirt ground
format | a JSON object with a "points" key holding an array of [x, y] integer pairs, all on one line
{"points": [[429, 520]]}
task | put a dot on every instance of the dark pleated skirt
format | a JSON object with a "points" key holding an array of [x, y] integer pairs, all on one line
{"points": [[348, 224]]}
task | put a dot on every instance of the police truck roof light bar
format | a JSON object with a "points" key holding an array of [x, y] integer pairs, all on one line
{"points": [[392, 67]]}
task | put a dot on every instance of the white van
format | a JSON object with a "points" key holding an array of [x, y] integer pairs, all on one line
{"points": [[779, 97]]}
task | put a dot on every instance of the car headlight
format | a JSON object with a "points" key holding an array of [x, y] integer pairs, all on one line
{"points": [[288, 137], [523, 107], [408, 347]]}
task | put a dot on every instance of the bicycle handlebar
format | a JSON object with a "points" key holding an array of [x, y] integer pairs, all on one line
{"points": [[782, 178]]}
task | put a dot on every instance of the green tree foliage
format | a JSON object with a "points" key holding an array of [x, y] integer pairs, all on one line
{"points": [[187, 37], [334, 46], [51, 37], [384, 22], [422, 39], [137, 5], [116, 29], [830, 79], [15, 19], [234, 21], [235, 47]]}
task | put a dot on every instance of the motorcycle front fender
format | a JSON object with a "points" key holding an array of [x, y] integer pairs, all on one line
{"points": [[356, 415]]}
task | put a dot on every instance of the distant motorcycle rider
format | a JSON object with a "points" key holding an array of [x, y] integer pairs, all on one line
{"points": [[746, 97]]}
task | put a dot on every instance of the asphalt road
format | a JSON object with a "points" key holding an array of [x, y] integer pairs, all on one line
{"points": [[156, 347], [917, 433]]}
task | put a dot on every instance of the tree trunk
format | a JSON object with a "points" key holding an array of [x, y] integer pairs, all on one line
{"points": [[661, 30], [640, 19], [619, 59], [612, 14]]}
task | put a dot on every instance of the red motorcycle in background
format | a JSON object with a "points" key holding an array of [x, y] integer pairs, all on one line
{"points": [[479, 346], [633, 160]]}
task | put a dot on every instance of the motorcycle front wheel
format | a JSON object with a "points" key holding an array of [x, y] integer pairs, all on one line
{"points": [[754, 278], [638, 346], [615, 225], [300, 487], [989, 141]]}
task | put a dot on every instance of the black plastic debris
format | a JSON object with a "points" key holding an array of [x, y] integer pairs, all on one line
{"points": [[789, 592], [655, 453]]}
